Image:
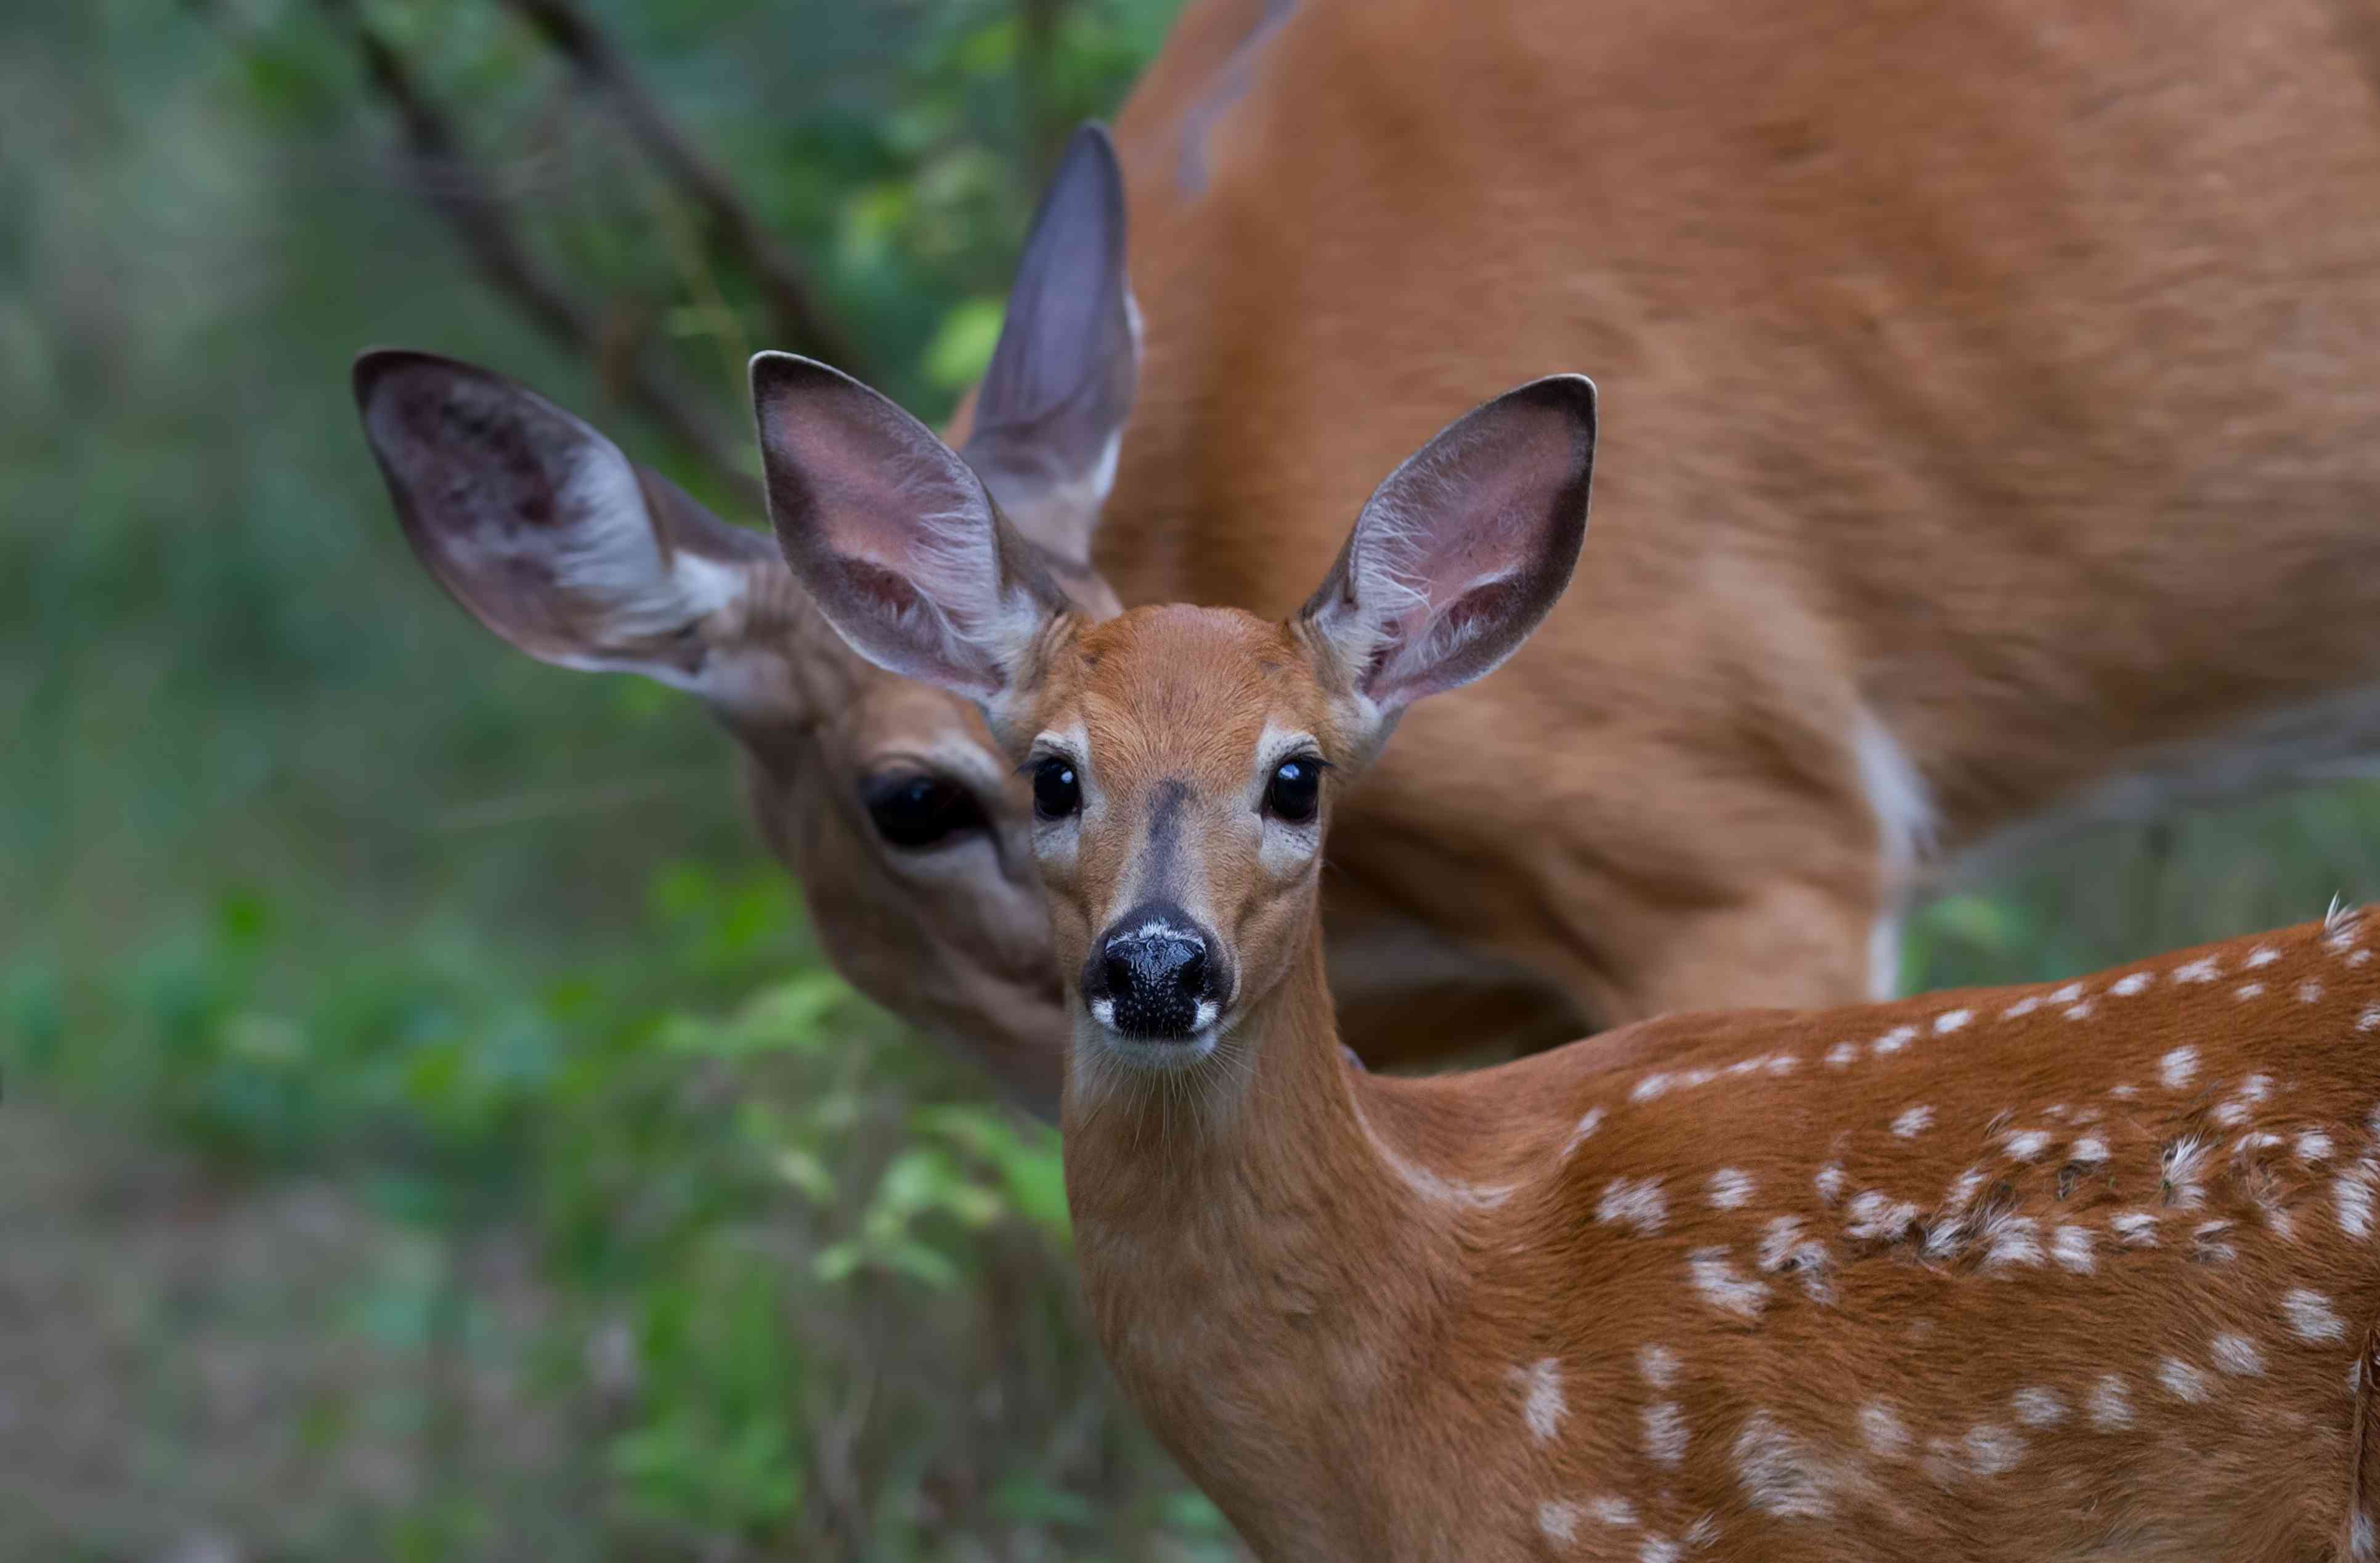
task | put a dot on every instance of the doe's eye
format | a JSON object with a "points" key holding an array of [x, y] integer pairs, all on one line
{"points": [[1295, 794], [914, 810], [1057, 790]]}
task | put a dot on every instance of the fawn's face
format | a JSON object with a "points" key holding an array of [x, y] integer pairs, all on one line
{"points": [[1180, 757], [1179, 760]]}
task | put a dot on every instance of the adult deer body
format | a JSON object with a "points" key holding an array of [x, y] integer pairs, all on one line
{"points": [[1998, 443], [2081, 1271]]}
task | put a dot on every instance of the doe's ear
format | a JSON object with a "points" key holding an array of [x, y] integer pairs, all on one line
{"points": [[540, 526], [1048, 416], [1462, 552], [892, 534]]}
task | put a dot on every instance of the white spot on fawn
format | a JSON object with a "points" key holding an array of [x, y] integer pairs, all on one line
{"points": [[2309, 1316], [2039, 1407], [2309, 991], [1992, 1450], [2137, 1227], [2313, 1146], [1615, 1512], [1723, 1286], [1658, 1364], [2262, 955], [2026, 1143], [2022, 1008], [1892, 1041], [2185, 1164], [2111, 1404], [2369, 1020], [1665, 1433], [2183, 1381], [1659, 1550], [2123, 1093], [1949, 1020], [1558, 1521], [1829, 1182], [1634, 1202], [1729, 1188], [2178, 1068], [1778, 1470], [1543, 1407], [2125, 987], [1876, 1219], [1583, 1131], [1914, 1122], [2090, 1150], [1652, 1086], [2204, 969], [1842, 1054], [2072, 1248], [2011, 1240], [2237, 1355], [1885, 1435], [2353, 1192], [2068, 994], [2248, 990]]}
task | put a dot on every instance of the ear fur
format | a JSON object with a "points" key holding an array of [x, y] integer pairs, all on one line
{"points": [[1462, 551], [543, 529], [892, 534], [1048, 416]]}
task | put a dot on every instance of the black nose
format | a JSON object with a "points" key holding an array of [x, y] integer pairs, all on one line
{"points": [[1151, 974]]}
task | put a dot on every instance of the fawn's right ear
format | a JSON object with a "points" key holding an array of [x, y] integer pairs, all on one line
{"points": [[545, 531], [893, 536], [1462, 552]]}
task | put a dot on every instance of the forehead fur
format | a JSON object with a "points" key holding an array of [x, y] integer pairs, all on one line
{"points": [[1182, 691]]}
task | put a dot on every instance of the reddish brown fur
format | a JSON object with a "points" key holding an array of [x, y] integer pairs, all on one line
{"points": [[1328, 1292], [2004, 367], [2007, 367]]}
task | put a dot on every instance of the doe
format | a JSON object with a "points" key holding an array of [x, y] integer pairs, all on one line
{"points": [[2066, 1271]]}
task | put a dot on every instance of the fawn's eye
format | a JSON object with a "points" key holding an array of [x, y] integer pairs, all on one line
{"points": [[1295, 790], [914, 810], [1056, 792]]}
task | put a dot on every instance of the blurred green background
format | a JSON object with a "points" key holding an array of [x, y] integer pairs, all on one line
{"points": [[429, 1129]]}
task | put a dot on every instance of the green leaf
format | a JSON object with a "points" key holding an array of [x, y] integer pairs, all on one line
{"points": [[962, 345]]}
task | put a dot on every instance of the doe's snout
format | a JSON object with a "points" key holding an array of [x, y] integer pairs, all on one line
{"points": [[1156, 976]]}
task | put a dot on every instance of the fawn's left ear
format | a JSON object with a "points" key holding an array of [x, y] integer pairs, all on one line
{"points": [[892, 534], [1462, 551]]}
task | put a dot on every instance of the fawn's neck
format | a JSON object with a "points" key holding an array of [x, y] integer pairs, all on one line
{"points": [[1260, 1265]]}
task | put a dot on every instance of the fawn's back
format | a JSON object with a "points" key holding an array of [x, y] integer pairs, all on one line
{"points": [[2074, 1270]]}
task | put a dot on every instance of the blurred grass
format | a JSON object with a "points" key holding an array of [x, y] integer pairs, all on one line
{"points": [[430, 1130]]}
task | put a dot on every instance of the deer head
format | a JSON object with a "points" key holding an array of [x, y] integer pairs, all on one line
{"points": [[1177, 756], [886, 797]]}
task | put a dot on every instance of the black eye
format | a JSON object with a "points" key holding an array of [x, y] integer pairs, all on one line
{"points": [[1056, 792], [1295, 790], [916, 809]]}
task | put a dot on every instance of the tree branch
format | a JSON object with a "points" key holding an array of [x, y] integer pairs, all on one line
{"points": [[795, 316], [462, 194]]}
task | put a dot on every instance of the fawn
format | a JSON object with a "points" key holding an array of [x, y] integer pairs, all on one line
{"points": [[2078, 1270]]}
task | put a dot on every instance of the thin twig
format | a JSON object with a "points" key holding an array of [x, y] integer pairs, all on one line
{"points": [[461, 193], [795, 316]]}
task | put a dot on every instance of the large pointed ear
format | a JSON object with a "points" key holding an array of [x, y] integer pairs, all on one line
{"points": [[544, 530], [1048, 414], [1462, 551], [893, 536]]}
